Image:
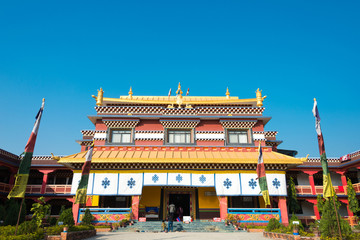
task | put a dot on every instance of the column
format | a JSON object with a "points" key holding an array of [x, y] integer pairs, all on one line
{"points": [[223, 201], [45, 178], [283, 211], [316, 210], [343, 180], [135, 202], [311, 180], [12, 176]]}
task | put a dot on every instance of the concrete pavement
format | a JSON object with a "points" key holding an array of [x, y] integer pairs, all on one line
{"points": [[177, 235]]}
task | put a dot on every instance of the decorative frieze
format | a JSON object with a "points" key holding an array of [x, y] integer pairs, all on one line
{"points": [[121, 123], [236, 124], [270, 134], [88, 133], [179, 123], [231, 110]]}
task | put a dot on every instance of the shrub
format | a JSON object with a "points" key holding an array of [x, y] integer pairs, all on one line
{"points": [[81, 228], [273, 224], [52, 221], [54, 230], [27, 227], [10, 234], [87, 218], [102, 226], [67, 217]]}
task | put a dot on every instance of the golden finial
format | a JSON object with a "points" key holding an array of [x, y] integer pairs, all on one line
{"points": [[305, 158], [57, 158], [314, 99], [130, 93], [43, 100], [259, 98], [227, 93], [99, 97], [179, 91]]}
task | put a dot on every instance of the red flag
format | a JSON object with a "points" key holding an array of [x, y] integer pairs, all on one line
{"points": [[187, 93], [169, 93]]}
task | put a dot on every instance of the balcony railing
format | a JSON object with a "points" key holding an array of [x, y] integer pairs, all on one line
{"points": [[4, 187], [306, 189], [57, 189], [33, 189]]}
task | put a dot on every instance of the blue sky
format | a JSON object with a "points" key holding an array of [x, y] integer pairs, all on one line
{"points": [[292, 50]]}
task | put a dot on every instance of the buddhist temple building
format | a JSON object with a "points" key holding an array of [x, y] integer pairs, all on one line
{"points": [[199, 153]]}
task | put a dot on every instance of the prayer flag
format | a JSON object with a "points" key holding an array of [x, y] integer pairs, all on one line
{"points": [[260, 170], [80, 197], [169, 93], [327, 185], [187, 93], [18, 191]]}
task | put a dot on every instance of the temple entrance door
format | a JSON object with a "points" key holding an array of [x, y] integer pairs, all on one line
{"points": [[183, 201]]}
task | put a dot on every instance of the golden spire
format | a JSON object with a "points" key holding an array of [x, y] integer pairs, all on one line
{"points": [[227, 93], [259, 98], [130, 93], [179, 91], [99, 97]]}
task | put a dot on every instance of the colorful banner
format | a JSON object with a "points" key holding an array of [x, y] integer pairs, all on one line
{"points": [[76, 181]]}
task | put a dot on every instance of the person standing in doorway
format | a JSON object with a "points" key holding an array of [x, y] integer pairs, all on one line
{"points": [[171, 217]]}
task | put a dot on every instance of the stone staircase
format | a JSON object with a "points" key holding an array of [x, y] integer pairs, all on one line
{"points": [[195, 226]]}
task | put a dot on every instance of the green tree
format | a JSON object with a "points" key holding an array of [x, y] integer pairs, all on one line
{"points": [[40, 209], [329, 222], [87, 218], [353, 201], [66, 217], [320, 203], [12, 208], [293, 202]]}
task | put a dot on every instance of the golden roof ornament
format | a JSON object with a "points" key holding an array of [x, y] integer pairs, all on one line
{"points": [[130, 93], [227, 93], [99, 97], [259, 98], [179, 96]]}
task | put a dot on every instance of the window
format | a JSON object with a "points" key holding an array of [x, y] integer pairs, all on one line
{"points": [[120, 136], [238, 137], [179, 136]]}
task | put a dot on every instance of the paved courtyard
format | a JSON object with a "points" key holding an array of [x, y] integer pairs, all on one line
{"points": [[177, 235]]}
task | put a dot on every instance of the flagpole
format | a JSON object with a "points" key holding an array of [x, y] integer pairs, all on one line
{"points": [[17, 224], [337, 218]]}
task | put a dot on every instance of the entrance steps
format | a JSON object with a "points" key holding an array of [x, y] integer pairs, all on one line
{"points": [[195, 226]]}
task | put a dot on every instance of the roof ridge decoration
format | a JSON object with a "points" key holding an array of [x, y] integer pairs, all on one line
{"points": [[179, 99]]}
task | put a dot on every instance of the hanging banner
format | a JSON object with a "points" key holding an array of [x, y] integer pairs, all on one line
{"points": [[276, 184], [105, 183], [155, 179], [250, 184], [227, 184], [130, 184], [179, 179], [76, 181], [202, 180]]}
